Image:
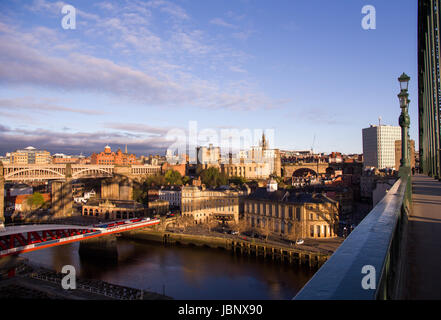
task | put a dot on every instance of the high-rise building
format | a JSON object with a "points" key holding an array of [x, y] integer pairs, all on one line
{"points": [[379, 146], [30, 155]]}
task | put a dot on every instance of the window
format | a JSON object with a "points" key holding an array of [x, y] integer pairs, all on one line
{"points": [[318, 231], [311, 230], [290, 212], [298, 213]]}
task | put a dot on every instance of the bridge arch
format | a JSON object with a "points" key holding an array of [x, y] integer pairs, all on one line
{"points": [[91, 171], [44, 172]]}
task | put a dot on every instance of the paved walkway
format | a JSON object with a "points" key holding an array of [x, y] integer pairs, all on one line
{"points": [[424, 240]]}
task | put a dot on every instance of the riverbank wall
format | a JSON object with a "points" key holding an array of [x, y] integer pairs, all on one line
{"points": [[251, 248]]}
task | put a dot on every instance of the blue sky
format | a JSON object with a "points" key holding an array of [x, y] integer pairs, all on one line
{"points": [[133, 70]]}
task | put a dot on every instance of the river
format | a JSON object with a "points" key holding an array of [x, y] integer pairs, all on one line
{"points": [[182, 272]]}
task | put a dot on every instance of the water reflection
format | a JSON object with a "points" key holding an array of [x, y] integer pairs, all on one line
{"points": [[184, 272]]}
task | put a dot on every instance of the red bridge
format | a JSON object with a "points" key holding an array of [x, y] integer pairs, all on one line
{"points": [[25, 238]]}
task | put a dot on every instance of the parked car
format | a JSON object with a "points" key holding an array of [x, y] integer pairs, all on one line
{"points": [[300, 241]]}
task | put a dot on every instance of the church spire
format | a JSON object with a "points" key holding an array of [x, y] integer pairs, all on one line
{"points": [[125, 150], [263, 143]]}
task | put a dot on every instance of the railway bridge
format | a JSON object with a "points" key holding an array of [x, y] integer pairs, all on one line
{"points": [[61, 176]]}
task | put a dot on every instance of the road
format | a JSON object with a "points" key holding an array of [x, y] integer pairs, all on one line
{"points": [[326, 246]]}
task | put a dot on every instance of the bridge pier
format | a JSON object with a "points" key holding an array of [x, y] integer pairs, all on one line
{"points": [[101, 247], [62, 198]]}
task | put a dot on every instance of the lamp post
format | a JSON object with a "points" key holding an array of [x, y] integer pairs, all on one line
{"points": [[404, 121]]}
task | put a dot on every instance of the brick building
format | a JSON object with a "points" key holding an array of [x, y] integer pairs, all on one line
{"points": [[107, 157]]}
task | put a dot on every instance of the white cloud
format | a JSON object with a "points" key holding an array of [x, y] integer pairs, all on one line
{"points": [[170, 8], [40, 105], [222, 23], [42, 57]]}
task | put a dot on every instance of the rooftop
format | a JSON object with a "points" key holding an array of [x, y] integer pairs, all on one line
{"points": [[284, 195]]}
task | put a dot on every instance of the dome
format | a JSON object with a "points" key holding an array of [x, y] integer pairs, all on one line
{"points": [[30, 148]]}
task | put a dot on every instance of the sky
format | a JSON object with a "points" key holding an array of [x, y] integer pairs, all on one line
{"points": [[131, 72]]}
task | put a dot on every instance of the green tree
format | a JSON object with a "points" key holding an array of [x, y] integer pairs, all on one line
{"points": [[237, 180], [211, 177], [156, 180], [173, 177], [36, 200], [140, 194], [185, 180]]}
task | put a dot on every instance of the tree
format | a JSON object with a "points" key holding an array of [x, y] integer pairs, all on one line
{"points": [[35, 201], [185, 180], [185, 221], [173, 177], [240, 226], [237, 180], [211, 177], [266, 229], [211, 223], [155, 180], [140, 195]]}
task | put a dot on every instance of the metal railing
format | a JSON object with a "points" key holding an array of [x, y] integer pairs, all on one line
{"points": [[108, 290], [372, 254]]}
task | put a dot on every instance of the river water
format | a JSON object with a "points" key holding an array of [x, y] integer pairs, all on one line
{"points": [[182, 272]]}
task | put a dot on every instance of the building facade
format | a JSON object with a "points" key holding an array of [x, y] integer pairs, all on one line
{"points": [[247, 170], [113, 209], [379, 146], [172, 195], [31, 155], [273, 211], [204, 205], [107, 157]]}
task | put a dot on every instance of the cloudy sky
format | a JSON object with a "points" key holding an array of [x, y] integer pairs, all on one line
{"points": [[131, 71]]}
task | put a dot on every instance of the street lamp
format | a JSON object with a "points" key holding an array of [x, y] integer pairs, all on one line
{"points": [[404, 81], [404, 121]]}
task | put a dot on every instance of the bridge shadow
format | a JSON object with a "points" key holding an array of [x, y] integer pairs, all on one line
{"points": [[423, 260]]}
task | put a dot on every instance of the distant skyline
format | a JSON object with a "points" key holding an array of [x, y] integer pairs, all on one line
{"points": [[133, 70]]}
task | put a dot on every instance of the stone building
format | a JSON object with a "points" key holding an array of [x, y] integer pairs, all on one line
{"points": [[294, 215], [172, 194], [258, 162], [202, 205], [114, 209], [247, 170], [208, 156]]}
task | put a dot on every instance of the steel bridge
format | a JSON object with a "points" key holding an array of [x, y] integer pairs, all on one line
{"points": [[429, 85], [25, 238], [41, 172]]}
